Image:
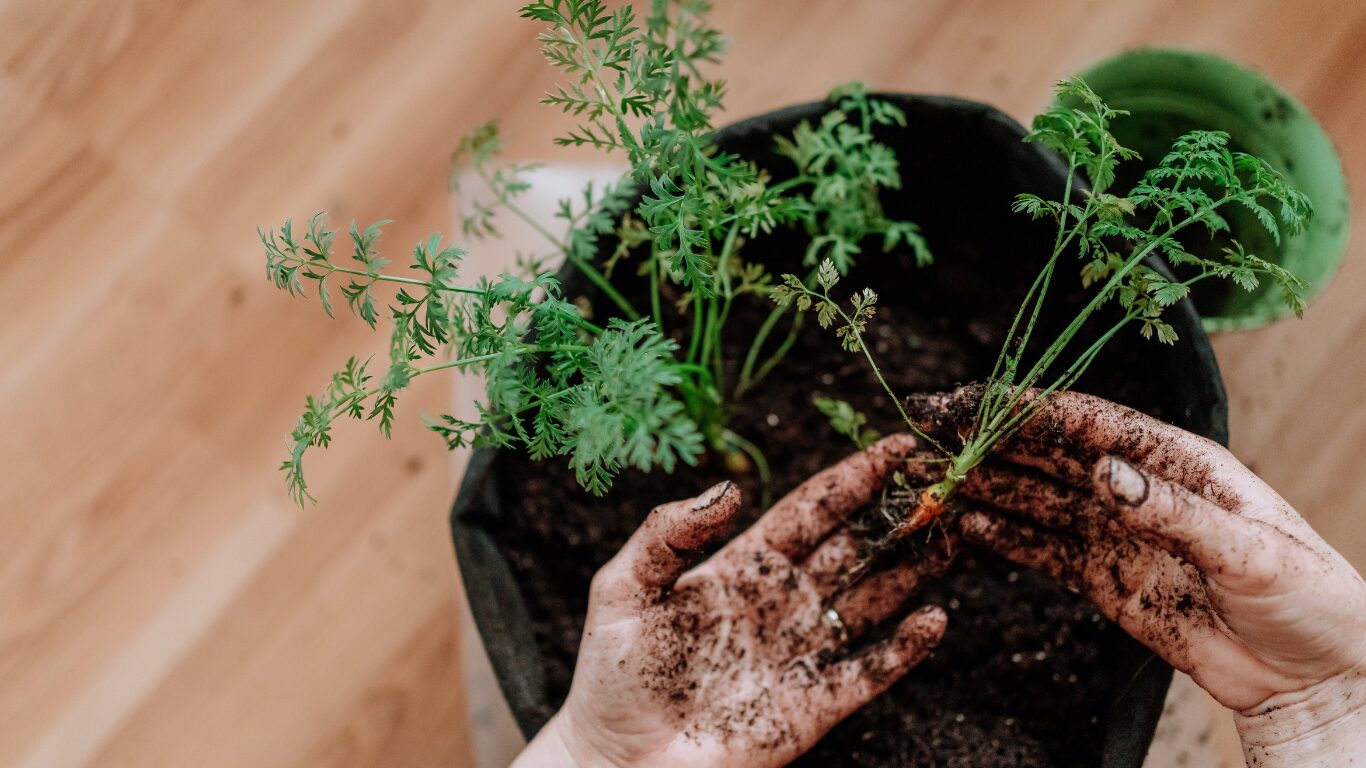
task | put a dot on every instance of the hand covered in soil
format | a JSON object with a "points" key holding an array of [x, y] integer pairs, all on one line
{"points": [[731, 663], [1192, 554]]}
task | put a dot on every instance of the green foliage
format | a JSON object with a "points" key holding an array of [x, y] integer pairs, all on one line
{"points": [[1189, 186], [848, 168], [842, 170], [1112, 235], [863, 305], [621, 393], [1082, 135], [344, 394], [290, 262], [620, 412], [847, 421], [555, 383], [849, 325], [638, 87]]}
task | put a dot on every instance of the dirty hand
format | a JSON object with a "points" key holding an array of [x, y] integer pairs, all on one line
{"points": [[731, 663], [1192, 554]]}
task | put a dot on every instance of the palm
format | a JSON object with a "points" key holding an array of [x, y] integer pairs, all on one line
{"points": [[731, 662]]}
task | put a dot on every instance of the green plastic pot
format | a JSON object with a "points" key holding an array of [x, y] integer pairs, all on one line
{"points": [[1170, 92]]}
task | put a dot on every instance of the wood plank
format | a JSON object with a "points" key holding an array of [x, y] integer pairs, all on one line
{"points": [[161, 602]]}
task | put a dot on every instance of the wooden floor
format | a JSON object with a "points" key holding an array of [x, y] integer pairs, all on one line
{"points": [[161, 601]]}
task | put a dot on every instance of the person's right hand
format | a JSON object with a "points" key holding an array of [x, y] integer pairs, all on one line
{"points": [[1191, 553]]}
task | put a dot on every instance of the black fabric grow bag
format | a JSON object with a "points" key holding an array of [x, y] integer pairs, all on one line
{"points": [[946, 144]]}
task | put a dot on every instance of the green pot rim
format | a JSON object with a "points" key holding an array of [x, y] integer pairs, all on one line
{"points": [[1213, 92]]}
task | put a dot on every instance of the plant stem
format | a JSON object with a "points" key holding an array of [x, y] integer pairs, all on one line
{"points": [[693, 368], [588, 270], [402, 280], [747, 377], [1002, 420], [604, 285], [755, 346], [517, 210], [897, 400], [760, 465], [462, 362], [654, 292], [1041, 285], [1055, 349], [695, 341], [1064, 381], [780, 353], [711, 345], [589, 325], [466, 361], [877, 372]]}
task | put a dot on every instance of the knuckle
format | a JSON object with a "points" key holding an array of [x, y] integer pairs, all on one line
{"points": [[604, 580], [1176, 502], [599, 583], [1260, 564]]}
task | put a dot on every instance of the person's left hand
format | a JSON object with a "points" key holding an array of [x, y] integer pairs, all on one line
{"points": [[733, 663]]}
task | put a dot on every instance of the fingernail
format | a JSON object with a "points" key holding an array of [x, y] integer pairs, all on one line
{"points": [[1127, 484], [712, 495], [975, 526]]}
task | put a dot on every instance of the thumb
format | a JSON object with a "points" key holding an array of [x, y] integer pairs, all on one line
{"points": [[1235, 551]]}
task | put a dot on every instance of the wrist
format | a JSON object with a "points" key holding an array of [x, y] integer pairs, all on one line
{"points": [[1321, 727], [549, 748], [559, 744]]}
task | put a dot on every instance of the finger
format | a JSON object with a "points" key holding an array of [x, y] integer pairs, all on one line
{"points": [[829, 563], [853, 681], [954, 416], [1162, 603], [1233, 551], [1031, 495], [946, 416], [883, 594], [662, 548], [801, 519], [1073, 430], [1048, 552]]}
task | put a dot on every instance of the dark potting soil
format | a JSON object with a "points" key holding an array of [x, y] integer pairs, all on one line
{"points": [[1017, 680]]}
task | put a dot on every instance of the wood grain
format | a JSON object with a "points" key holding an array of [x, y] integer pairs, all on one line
{"points": [[161, 601]]}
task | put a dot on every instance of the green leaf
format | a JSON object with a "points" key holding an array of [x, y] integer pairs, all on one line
{"points": [[847, 421], [560, 380], [826, 311], [1170, 293], [827, 276], [1265, 217]]}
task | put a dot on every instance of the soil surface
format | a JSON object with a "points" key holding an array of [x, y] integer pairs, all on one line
{"points": [[1017, 680]]}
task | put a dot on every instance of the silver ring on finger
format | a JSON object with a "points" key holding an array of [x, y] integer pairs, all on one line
{"points": [[838, 628]]}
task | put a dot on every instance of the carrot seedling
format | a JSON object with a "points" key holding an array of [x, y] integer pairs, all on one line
{"points": [[1191, 187], [609, 387]]}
